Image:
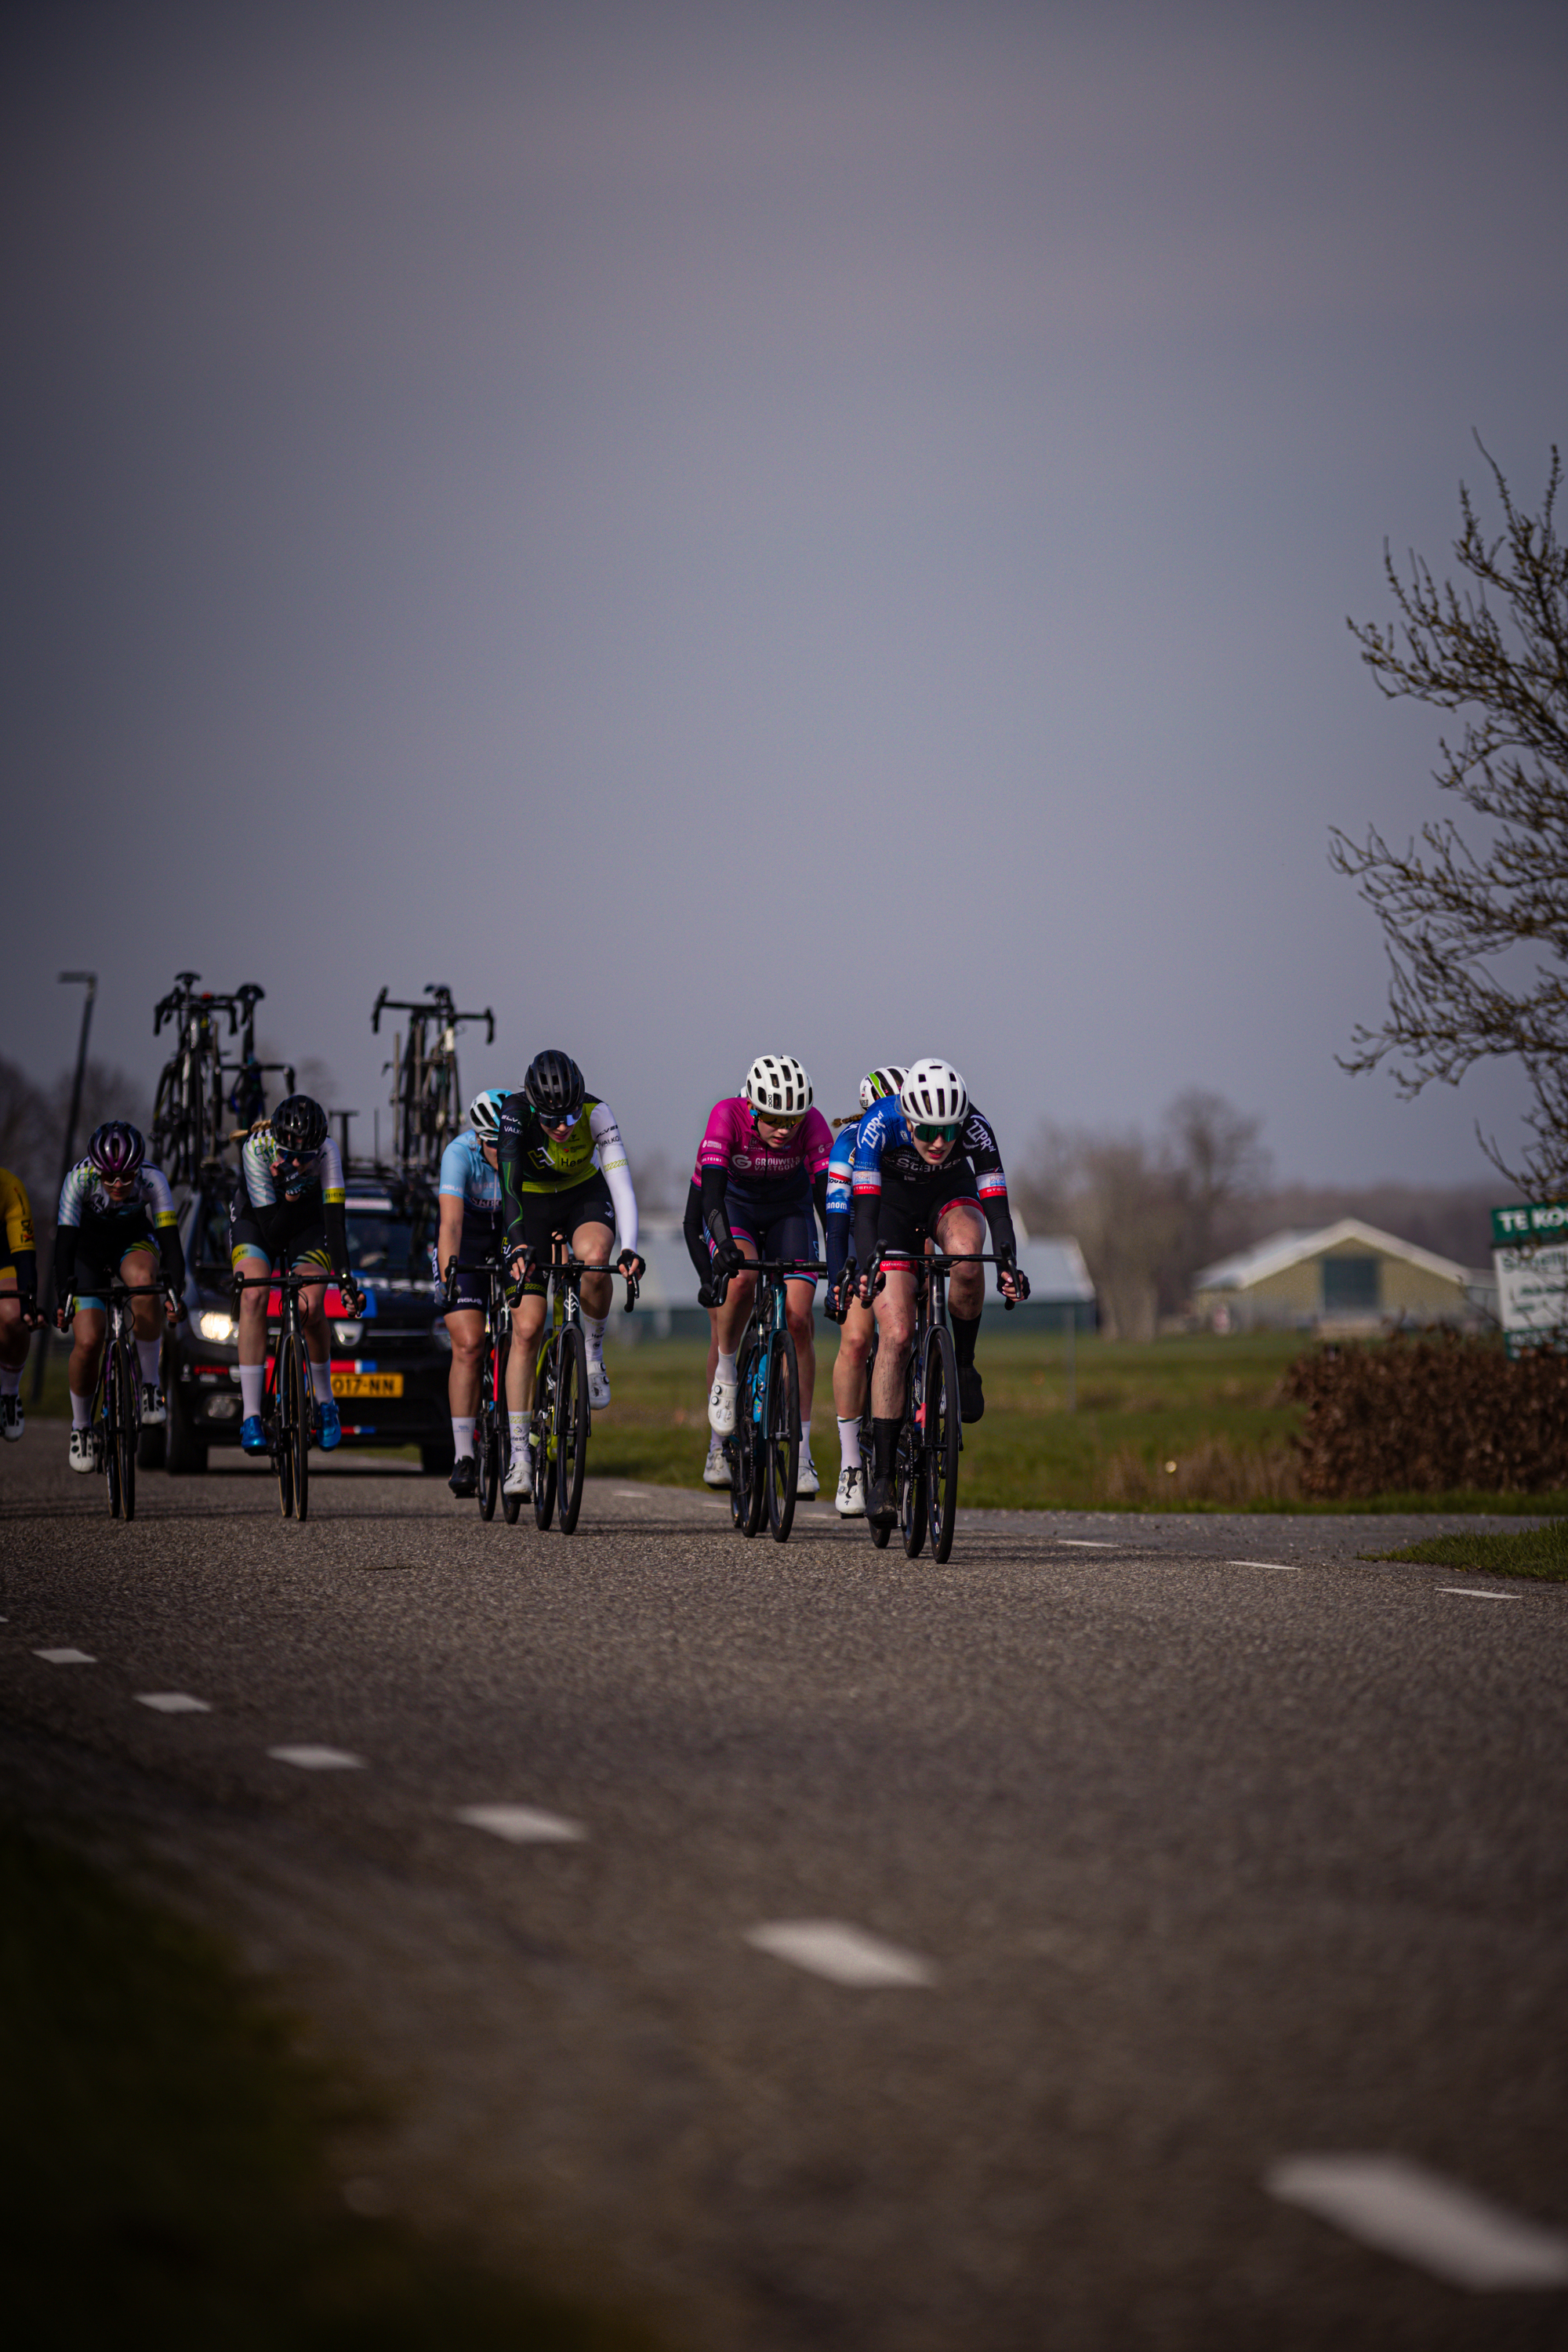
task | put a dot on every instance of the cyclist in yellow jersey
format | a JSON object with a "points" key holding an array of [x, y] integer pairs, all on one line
{"points": [[19, 1313], [563, 1170]]}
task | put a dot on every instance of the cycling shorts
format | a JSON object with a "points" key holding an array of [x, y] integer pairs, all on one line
{"points": [[776, 1229], [547, 1214], [293, 1234], [471, 1291], [910, 1212], [101, 1246]]}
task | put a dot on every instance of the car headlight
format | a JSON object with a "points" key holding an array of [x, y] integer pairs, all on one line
{"points": [[348, 1334], [214, 1324]]}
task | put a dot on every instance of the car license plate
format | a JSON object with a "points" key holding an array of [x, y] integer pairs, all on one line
{"points": [[367, 1384]]}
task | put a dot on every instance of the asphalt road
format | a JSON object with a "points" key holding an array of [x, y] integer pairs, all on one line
{"points": [[1179, 1868]]}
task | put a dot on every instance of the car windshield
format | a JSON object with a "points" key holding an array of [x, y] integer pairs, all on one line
{"points": [[381, 1242]]}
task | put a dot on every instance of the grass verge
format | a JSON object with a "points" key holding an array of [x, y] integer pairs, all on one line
{"points": [[1539, 1552], [165, 2168]]}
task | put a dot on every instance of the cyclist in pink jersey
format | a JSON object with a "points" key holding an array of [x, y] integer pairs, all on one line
{"points": [[761, 1164]]}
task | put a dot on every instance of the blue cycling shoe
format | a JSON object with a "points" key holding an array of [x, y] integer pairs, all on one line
{"points": [[252, 1434], [332, 1424]]}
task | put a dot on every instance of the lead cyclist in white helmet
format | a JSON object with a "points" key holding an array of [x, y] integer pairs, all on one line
{"points": [[926, 1167]]}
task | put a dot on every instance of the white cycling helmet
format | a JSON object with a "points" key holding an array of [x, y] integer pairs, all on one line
{"points": [[484, 1113], [876, 1085], [778, 1086], [932, 1094]]}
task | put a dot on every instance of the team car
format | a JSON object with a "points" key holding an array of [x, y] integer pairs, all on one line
{"points": [[389, 1365]]}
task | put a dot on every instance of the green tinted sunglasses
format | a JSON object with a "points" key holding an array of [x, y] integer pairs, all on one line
{"points": [[944, 1133]]}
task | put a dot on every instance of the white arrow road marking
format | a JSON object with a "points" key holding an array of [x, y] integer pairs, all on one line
{"points": [[1436, 2224], [845, 1955], [172, 1701], [65, 1657], [318, 1759], [1277, 1565], [520, 1824], [1087, 1543]]}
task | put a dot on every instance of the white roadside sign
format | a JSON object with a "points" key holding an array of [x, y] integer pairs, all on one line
{"points": [[1529, 1252]]}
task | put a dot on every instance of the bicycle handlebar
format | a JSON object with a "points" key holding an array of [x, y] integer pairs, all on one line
{"points": [[441, 1008], [714, 1293], [572, 1268]]}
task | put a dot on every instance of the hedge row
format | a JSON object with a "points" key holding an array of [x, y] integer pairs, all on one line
{"points": [[1442, 1410]]}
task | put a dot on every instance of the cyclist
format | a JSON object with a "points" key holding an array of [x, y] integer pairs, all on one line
{"points": [[563, 1170], [857, 1321], [925, 1166], [288, 1211], [19, 1313], [763, 1166], [470, 1202], [116, 1215]]}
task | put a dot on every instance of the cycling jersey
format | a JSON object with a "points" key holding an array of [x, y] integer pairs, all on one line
{"points": [[839, 1205], [107, 1227], [20, 1256], [884, 1154], [271, 1175], [287, 1209], [532, 1161], [466, 1176], [731, 1145]]}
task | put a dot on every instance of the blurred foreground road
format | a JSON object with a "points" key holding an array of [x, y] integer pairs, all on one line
{"points": [[1179, 1868]]}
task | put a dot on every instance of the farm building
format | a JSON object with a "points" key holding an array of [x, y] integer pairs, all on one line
{"points": [[1349, 1275]]}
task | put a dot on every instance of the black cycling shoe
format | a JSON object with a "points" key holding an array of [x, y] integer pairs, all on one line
{"points": [[971, 1395], [464, 1478], [881, 1503]]}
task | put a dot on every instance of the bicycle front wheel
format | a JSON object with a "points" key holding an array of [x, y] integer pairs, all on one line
{"points": [[909, 1482], [880, 1537], [127, 1423], [280, 1431], [543, 1427], [781, 1434], [488, 1448], [303, 1416], [944, 1439], [573, 1418], [744, 1448]]}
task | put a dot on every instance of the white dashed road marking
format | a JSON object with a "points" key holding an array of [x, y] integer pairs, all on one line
{"points": [[172, 1701], [628, 1494], [845, 1955], [520, 1824], [1401, 2208], [65, 1657], [1469, 1592], [318, 1759], [1278, 1565], [1087, 1543]]}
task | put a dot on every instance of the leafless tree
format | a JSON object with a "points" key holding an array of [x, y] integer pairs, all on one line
{"points": [[1496, 649]]}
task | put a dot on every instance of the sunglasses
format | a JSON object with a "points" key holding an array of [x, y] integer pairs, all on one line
{"points": [[558, 1125], [944, 1133]]}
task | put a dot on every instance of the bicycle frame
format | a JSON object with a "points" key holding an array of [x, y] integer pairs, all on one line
{"points": [[288, 1403], [764, 1453], [562, 1416], [493, 1436], [931, 1436], [116, 1414]]}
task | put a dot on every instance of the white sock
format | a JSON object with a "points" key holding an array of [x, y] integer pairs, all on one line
{"points": [[322, 1382], [726, 1368], [10, 1381], [147, 1354], [81, 1411], [252, 1389], [517, 1423], [849, 1443], [805, 1439], [593, 1332], [463, 1432]]}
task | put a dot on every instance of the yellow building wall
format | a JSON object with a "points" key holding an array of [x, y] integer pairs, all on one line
{"points": [[1295, 1292]]}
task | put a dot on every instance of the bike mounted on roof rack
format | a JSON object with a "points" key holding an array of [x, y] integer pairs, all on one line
{"points": [[426, 1092], [200, 1096]]}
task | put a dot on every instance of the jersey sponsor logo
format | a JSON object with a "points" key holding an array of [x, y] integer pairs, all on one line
{"points": [[741, 1160]]}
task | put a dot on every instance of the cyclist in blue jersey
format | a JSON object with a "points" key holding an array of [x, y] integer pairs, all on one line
{"points": [[469, 1235], [925, 1167], [858, 1323]]}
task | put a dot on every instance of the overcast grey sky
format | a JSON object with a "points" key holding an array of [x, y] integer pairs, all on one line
{"points": [[783, 527]]}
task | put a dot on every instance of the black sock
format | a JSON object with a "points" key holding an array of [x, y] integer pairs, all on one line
{"points": [[965, 1332], [884, 1445]]}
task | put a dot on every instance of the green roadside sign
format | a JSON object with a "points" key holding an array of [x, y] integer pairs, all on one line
{"points": [[1529, 1253]]}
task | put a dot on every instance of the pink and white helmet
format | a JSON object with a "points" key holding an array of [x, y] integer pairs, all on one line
{"points": [[117, 1150]]}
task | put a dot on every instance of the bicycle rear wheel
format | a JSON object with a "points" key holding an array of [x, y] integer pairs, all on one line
{"points": [[127, 1424], [542, 1428], [944, 1440], [574, 1418], [781, 1434], [909, 1482], [744, 1449]]}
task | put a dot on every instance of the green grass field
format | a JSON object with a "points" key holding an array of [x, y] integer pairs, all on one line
{"points": [[1540, 1552]]}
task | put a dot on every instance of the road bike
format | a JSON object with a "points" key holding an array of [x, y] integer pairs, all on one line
{"points": [[116, 1415], [763, 1450], [931, 1431], [288, 1404], [492, 1439], [562, 1417], [192, 1116], [426, 1093]]}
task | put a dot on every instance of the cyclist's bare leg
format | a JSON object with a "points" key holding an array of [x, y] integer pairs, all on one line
{"points": [[895, 1311], [730, 1320], [252, 1346], [527, 1323], [798, 1296], [87, 1352], [465, 1330], [136, 1269], [849, 1364], [313, 1317], [959, 1230], [14, 1339], [593, 1242]]}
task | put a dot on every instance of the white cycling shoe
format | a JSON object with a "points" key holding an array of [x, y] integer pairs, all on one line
{"points": [[807, 1483], [83, 1453], [715, 1470], [154, 1413], [519, 1479], [850, 1500], [13, 1419], [598, 1386], [722, 1407]]}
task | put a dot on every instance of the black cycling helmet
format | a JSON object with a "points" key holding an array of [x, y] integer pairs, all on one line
{"points": [[299, 1124], [553, 1085]]}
